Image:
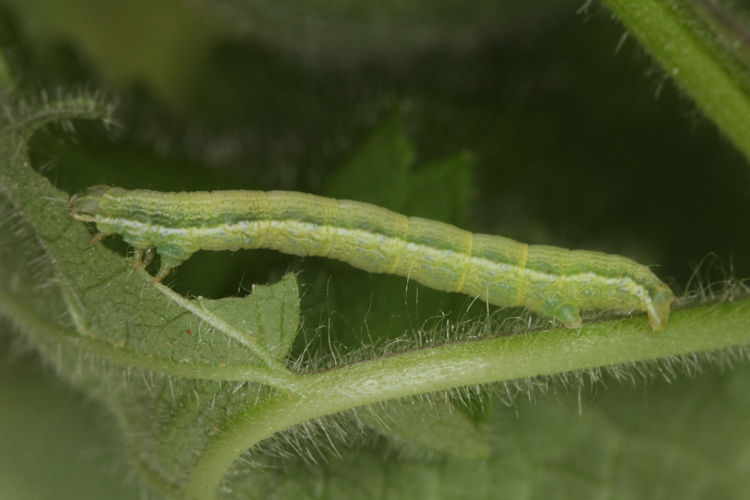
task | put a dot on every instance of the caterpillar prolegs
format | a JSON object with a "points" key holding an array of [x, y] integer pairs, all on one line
{"points": [[553, 281]]}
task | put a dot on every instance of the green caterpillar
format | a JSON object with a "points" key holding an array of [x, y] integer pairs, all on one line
{"points": [[552, 281]]}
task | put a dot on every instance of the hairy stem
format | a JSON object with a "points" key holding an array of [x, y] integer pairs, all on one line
{"points": [[675, 36], [459, 364]]}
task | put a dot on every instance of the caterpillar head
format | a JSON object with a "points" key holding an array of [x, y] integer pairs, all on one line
{"points": [[82, 206]]}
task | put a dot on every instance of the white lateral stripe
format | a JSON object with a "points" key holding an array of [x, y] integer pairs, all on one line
{"points": [[361, 235]]}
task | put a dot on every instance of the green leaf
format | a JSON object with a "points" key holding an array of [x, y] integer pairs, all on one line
{"points": [[270, 314], [440, 189], [145, 328], [98, 320], [53, 442], [378, 170]]}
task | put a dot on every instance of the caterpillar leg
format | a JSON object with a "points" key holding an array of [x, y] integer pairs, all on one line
{"points": [[568, 315], [658, 309], [148, 256], [96, 239], [143, 257], [138, 260], [170, 258], [163, 272]]}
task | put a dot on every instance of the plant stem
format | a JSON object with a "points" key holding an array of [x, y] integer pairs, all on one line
{"points": [[708, 327], [675, 36]]}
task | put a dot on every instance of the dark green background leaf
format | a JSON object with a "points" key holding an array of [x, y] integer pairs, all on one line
{"points": [[569, 144]]}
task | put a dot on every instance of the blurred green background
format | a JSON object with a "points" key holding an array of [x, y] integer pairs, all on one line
{"points": [[551, 128]]}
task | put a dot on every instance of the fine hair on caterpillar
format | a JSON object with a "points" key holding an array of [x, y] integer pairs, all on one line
{"points": [[552, 281]]}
